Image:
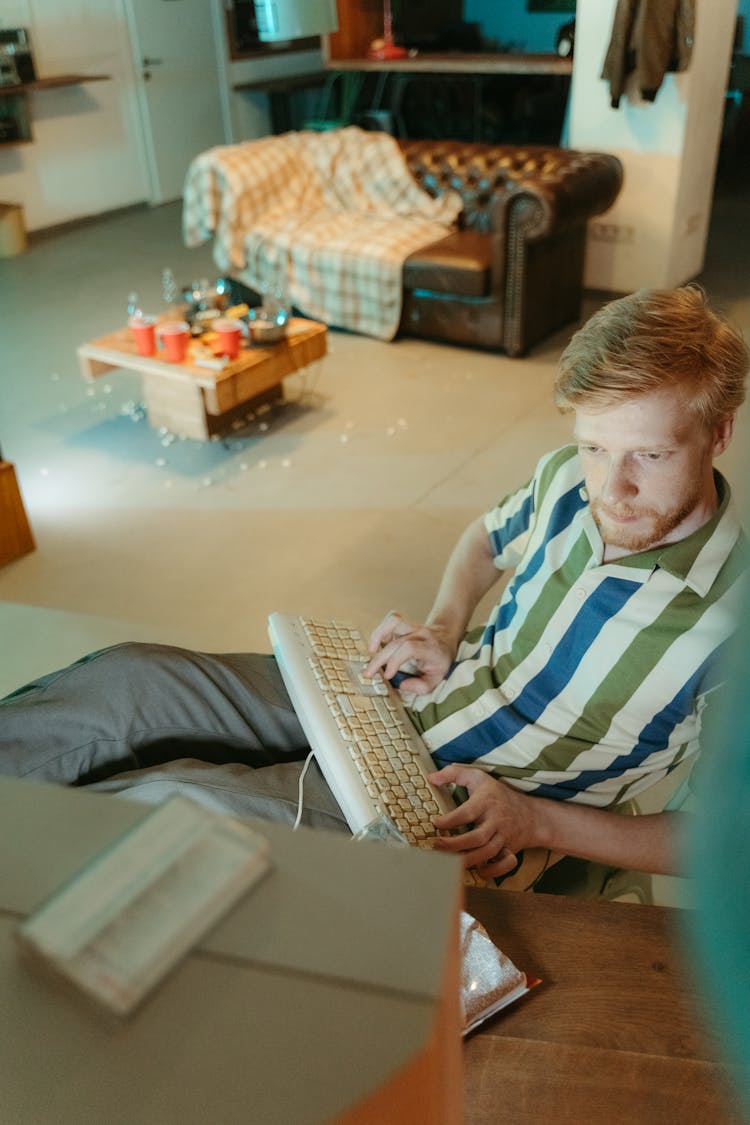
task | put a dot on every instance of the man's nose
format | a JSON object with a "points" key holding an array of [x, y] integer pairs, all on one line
{"points": [[619, 484]]}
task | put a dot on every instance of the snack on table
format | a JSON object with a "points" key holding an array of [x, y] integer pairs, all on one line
{"points": [[489, 979]]}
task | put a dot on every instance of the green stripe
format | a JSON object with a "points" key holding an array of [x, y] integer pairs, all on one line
{"points": [[485, 677], [550, 470], [458, 699], [631, 670]]}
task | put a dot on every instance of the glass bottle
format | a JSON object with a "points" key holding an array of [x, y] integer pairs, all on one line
{"points": [[170, 293], [135, 312]]}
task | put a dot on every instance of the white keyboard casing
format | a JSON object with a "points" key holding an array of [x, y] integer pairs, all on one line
{"points": [[333, 751]]}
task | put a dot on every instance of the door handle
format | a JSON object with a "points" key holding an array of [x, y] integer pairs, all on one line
{"points": [[152, 62]]}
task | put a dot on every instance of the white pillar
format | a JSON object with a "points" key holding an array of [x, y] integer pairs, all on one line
{"points": [[655, 233]]}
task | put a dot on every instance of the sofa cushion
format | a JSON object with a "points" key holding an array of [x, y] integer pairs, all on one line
{"points": [[458, 264]]}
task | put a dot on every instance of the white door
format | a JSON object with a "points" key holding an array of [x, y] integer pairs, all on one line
{"points": [[179, 91]]}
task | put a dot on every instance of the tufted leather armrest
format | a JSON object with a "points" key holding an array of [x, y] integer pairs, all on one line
{"points": [[566, 186], [528, 206]]}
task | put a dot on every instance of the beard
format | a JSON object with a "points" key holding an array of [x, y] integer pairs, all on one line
{"points": [[650, 529]]}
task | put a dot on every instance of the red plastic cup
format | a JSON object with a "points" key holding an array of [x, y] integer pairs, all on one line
{"points": [[175, 336], [144, 334], [229, 335]]}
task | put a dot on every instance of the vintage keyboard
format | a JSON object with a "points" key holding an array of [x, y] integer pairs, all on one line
{"points": [[369, 753]]}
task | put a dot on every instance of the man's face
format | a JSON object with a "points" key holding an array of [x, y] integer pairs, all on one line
{"points": [[648, 466]]}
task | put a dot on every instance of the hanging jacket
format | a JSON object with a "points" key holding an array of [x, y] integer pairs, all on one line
{"points": [[649, 37]]}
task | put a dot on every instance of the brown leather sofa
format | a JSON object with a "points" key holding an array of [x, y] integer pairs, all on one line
{"points": [[513, 271]]}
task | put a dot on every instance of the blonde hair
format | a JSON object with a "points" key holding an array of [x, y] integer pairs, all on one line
{"points": [[652, 339]]}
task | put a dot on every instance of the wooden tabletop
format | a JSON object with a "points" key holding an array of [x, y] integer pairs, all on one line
{"points": [[118, 349], [612, 1034]]}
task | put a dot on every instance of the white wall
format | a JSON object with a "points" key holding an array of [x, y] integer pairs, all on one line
{"points": [[86, 154], [655, 234]]}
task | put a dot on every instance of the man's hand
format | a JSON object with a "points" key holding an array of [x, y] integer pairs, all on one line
{"points": [[500, 821], [426, 649]]}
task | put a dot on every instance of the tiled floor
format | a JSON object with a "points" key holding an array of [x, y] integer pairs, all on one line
{"points": [[347, 501]]}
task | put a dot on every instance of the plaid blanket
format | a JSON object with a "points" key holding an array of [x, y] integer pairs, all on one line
{"points": [[326, 219]]}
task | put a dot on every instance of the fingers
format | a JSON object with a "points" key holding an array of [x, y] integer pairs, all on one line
{"points": [[485, 818], [389, 659], [491, 859], [393, 625], [503, 864], [480, 843], [390, 645], [456, 818], [419, 651], [478, 784], [467, 776], [412, 654], [418, 685]]}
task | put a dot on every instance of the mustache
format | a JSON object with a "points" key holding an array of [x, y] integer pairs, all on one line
{"points": [[620, 511]]}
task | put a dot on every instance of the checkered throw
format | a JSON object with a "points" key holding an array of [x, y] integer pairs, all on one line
{"points": [[326, 218]]}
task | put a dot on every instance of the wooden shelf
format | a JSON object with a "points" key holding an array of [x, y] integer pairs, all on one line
{"points": [[447, 66], [20, 110], [51, 83], [484, 63], [284, 85]]}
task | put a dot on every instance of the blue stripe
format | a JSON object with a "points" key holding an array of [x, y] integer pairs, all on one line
{"points": [[653, 738], [561, 516], [513, 527], [505, 723]]}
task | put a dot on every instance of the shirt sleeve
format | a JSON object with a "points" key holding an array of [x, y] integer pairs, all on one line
{"points": [[510, 524]]}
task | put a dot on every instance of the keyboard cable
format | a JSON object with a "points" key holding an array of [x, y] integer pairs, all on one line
{"points": [[301, 791]]}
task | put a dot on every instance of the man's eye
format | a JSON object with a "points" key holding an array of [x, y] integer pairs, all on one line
{"points": [[590, 449], [653, 456]]}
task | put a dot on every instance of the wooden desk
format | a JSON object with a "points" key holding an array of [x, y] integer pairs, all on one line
{"points": [[611, 1035]]}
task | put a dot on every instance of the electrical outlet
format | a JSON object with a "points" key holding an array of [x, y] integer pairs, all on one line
{"points": [[620, 234]]}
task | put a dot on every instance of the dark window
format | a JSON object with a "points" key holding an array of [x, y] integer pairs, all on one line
{"points": [[242, 31]]}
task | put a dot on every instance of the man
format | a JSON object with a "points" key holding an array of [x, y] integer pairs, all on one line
{"points": [[586, 704], [587, 684]]}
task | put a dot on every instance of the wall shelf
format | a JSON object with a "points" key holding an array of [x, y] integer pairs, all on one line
{"points": [[14, 104], [52, 83], [462, 63]]}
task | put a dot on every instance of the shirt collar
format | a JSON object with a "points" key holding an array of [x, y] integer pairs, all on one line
{"points": [[695, 560]]}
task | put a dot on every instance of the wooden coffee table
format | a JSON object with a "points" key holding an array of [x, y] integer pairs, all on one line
{"points": [[197, 401]]}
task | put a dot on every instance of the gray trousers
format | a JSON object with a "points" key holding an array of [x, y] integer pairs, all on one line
{"points": [[148, 721]]}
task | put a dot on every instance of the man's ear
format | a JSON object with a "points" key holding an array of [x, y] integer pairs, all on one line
{"points": [[723, 434]]}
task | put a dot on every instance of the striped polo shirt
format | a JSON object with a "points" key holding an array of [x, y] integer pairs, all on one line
{"points": [[589, 680]]}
